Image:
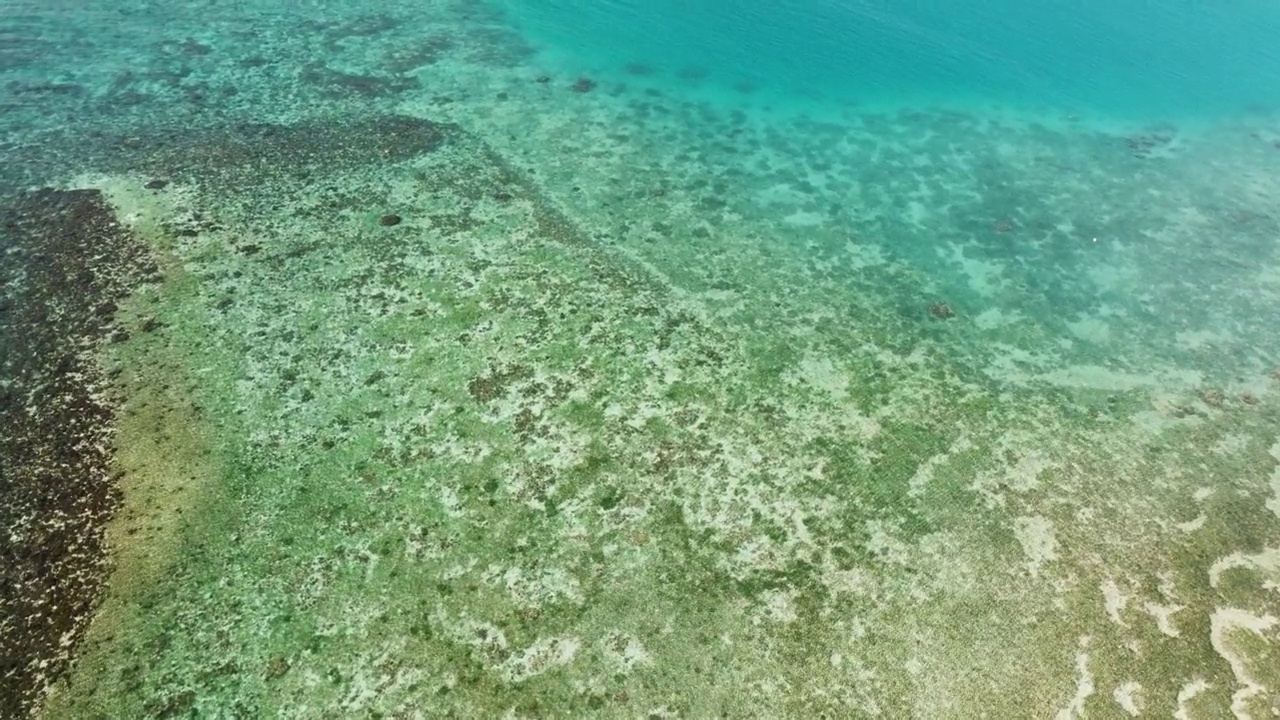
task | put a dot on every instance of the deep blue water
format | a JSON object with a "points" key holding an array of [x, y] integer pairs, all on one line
{"points": [[1131, 59]]}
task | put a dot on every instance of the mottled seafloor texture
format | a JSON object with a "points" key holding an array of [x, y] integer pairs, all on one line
{"points": [[648, 406]]}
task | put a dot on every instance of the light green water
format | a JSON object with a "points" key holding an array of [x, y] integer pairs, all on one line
{"points": [[657, 407]]}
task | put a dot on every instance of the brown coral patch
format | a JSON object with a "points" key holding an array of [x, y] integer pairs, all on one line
{"points": [[67, 265]]}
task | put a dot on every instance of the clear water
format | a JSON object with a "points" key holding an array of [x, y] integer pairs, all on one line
{"points": [[1151, 61], [641, 359]]}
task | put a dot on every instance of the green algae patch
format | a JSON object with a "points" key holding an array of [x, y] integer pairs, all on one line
{"points": [[646, 406], [67, 267], [482, 463], [166, 458]]}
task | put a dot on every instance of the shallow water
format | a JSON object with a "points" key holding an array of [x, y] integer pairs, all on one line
{"points": [[1132, 60], [641, 360]]}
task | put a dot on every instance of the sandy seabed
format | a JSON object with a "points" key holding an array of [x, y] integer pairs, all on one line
{"points": [[454, 386]]}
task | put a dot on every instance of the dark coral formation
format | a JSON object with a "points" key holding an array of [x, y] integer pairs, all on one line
{"points": [[65, 266], [335, 83], [230, 155], [1143, 145], [942, 311]]}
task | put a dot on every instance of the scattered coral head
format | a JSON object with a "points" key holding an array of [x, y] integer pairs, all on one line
{"points": [[1212, 398], [941, 310]]}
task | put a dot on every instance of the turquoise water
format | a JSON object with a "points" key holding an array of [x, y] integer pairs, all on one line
{"points": [[639, 359], [1126, 59]]}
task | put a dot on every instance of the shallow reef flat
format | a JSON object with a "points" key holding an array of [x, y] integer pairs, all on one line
{"points": [[498, 393]]}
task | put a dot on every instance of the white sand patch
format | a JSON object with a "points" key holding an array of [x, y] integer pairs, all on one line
{"points": [[1156, 420], [1188, 217], [563, 448], [1020, 476], [985, 276], [863, 426], [914, 667], [1230, 445], [1192, 525], [1035, 534], [950, 573], [625, 652], [634, 415], [757, 552], [925, 471], [1186, 694], [1127, 696], [136, 207], [1024, 475], [1014, 364], [1163, 615], [534, 589], [1084, 685], [782, 194], [1266, 563], [821, 374], [918, 213], [994, 318], [483, 636], [1269, 275], [1098, 378], [371, 680], [853, 581], [1112, 276], [864, 255], [780, 606], [1274, 503], [543, 655], [1224, 623], [451, 502], [1090, 329], [882, 540], [665, 362], [1114, 601], [1199, 339], [804, 218]]}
